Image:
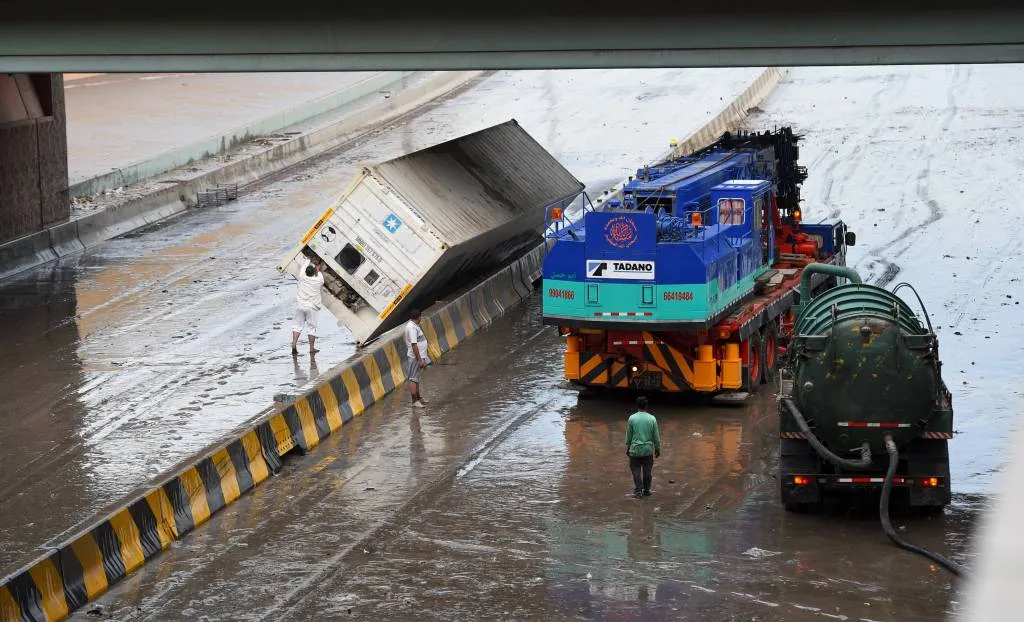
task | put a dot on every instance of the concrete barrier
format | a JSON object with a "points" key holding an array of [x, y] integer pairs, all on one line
{"points": [[64, 240], [84, 567], [30, 251], [733, 114], [351, 95], [518, 282], [728, 119]]}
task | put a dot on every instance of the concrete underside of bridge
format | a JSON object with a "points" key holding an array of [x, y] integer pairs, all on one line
{"points": [[33, 154], [401, 34], [37, 43]]}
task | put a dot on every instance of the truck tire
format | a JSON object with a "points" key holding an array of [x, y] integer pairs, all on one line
{"points": [[753, 371], [770, 351]]}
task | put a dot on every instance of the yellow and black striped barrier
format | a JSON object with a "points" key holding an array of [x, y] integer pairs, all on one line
{"points": [[81, 569]]}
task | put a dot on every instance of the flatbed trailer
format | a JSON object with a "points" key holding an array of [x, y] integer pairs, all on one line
{"points": [[737, 353]]}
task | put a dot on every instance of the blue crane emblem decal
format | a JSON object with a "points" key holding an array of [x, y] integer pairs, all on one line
{"points": [[392, 223]]}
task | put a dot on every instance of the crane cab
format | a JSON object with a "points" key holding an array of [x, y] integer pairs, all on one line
{"points": [[742, 209]]}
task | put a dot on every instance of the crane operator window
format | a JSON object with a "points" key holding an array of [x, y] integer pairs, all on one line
{"points": [[730, 211]]}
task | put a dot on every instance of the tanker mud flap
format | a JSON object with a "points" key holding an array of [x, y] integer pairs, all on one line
{"points": [[924, 458], [798, 467]]}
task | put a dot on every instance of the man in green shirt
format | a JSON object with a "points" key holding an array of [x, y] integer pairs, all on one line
{"points": [[643, 445]]}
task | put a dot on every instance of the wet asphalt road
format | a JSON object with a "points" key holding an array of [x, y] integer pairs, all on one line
{"points": [[124, 361], [506, 499], [921, 162]]}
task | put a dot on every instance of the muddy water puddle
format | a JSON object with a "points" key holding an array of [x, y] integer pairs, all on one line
{"points": [[541, 528]]}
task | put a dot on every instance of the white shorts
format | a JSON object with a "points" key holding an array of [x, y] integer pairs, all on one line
{"points": [[305, 318]]}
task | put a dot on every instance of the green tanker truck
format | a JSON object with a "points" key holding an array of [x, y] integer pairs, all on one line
{"points": [[861, 383], [862, 404]]}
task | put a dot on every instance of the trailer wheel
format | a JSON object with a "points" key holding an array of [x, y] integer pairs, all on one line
{"points": [[770, 338], [752, 371]]}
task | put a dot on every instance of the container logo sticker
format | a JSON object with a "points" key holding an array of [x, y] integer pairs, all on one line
{"points": [[328, 233], [391, 223], [631, 270], [621, 232]]}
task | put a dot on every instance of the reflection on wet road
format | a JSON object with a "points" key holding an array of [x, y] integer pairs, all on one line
{"points": [[543, 528], [507, 500], [120, 363]]}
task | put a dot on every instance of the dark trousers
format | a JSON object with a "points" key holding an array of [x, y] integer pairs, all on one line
{"points": [[644, 464]]}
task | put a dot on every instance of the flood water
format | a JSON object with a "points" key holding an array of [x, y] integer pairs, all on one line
{"points": [[508, 499]]}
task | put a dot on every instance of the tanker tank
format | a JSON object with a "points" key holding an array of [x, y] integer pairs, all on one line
{"points": [[413, 229], [866, 365], [862, 406]]}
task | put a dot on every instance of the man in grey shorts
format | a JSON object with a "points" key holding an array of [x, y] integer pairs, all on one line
{"points": [[416, 343]]}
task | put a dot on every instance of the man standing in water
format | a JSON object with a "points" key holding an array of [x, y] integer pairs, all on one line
{"points": [[307, 303], [416, 343], [643, 445]]}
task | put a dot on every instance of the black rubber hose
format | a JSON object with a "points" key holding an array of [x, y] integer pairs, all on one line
{"points": [[883, 513], [857, 465], [883, 505]]}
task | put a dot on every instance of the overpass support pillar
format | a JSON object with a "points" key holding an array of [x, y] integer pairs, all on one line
{"points": [[33, 154]]}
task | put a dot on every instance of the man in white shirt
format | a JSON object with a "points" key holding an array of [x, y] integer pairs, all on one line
{"points": [[308, 302], [416, 343]]}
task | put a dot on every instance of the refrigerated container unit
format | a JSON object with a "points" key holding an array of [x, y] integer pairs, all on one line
{"points": [[411, 230]]}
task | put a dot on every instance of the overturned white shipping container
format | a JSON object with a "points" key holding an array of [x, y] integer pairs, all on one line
{"points": [[412, 229]]}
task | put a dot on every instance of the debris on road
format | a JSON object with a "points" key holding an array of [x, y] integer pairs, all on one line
{"points": [[757, 553]]}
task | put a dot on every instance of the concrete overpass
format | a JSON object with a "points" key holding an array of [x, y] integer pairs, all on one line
{"points": [[404, 34], [40, 43]]}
